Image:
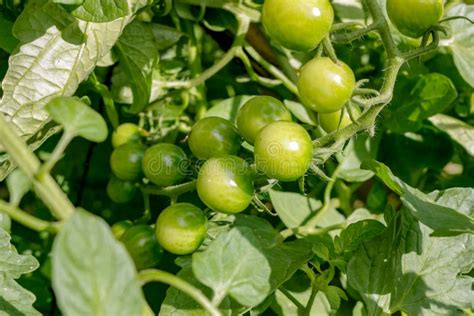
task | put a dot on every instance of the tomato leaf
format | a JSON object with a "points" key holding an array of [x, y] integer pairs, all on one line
{"points": [[431, 94], [444, 220], [92, 272], [97, 11], [56, 53], [14, 299], [138, 54], [408, 270], [301, 112], [7, 41], [18, 185], [78, 119], [460, 132], [221, 267], [462, 40], [357, 151]]}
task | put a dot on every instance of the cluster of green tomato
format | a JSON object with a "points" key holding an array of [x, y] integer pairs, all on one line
{"points": [[282, 149], [225, 183]]}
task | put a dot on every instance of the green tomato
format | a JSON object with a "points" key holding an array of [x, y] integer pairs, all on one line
{"points": [[119, 228], [330, 121], [225, 184], [181, 228], [142, 246], [164, 164], [214, 137], [126, 161], [257, 113], [413, 18], [121, 191], [125, 133], [325, 86], [298, 25], [283, 151]]}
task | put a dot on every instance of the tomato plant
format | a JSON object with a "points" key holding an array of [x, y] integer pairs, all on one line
{"points": [[247, 157]]}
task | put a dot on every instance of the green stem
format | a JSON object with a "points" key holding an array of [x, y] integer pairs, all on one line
{"points": [[382, 27], [244, 23], [353, 35], [56, 155], [108, 100], [46, 188], [290, 296], [329, 49], [171, 191], [26, 219], [277, 73], [170, 279]]}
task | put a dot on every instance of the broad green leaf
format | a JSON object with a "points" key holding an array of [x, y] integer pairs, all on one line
{"points": [[138, 54], [166, 36], [293, 208], [178, 303], [462, 40], [14, 300], [233, 265], [431, 94], [358, 150], [56, 53], [92, 272], [407, 270], [210, 3], [301, 112], [460, 199], [12, 264], [18, 185], [445, 221], [7, 41], [459, 131], [78, 119], [228, 108], [100, 11], [353, 235]]}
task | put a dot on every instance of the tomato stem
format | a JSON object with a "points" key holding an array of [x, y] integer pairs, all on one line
{"points": [[46, 188], [28, 220], [153, 275]]}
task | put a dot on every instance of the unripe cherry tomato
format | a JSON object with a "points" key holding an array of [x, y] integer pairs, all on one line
{"points": [[413, 18], [142, 246], [214, 137], [125, 133], [121, 191], [325, 86], [298, 25], [225, 184], [164, 164], [126, 161], [181, 228], [257, 113], [283, 151], [119, 228], [330, 121]]}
